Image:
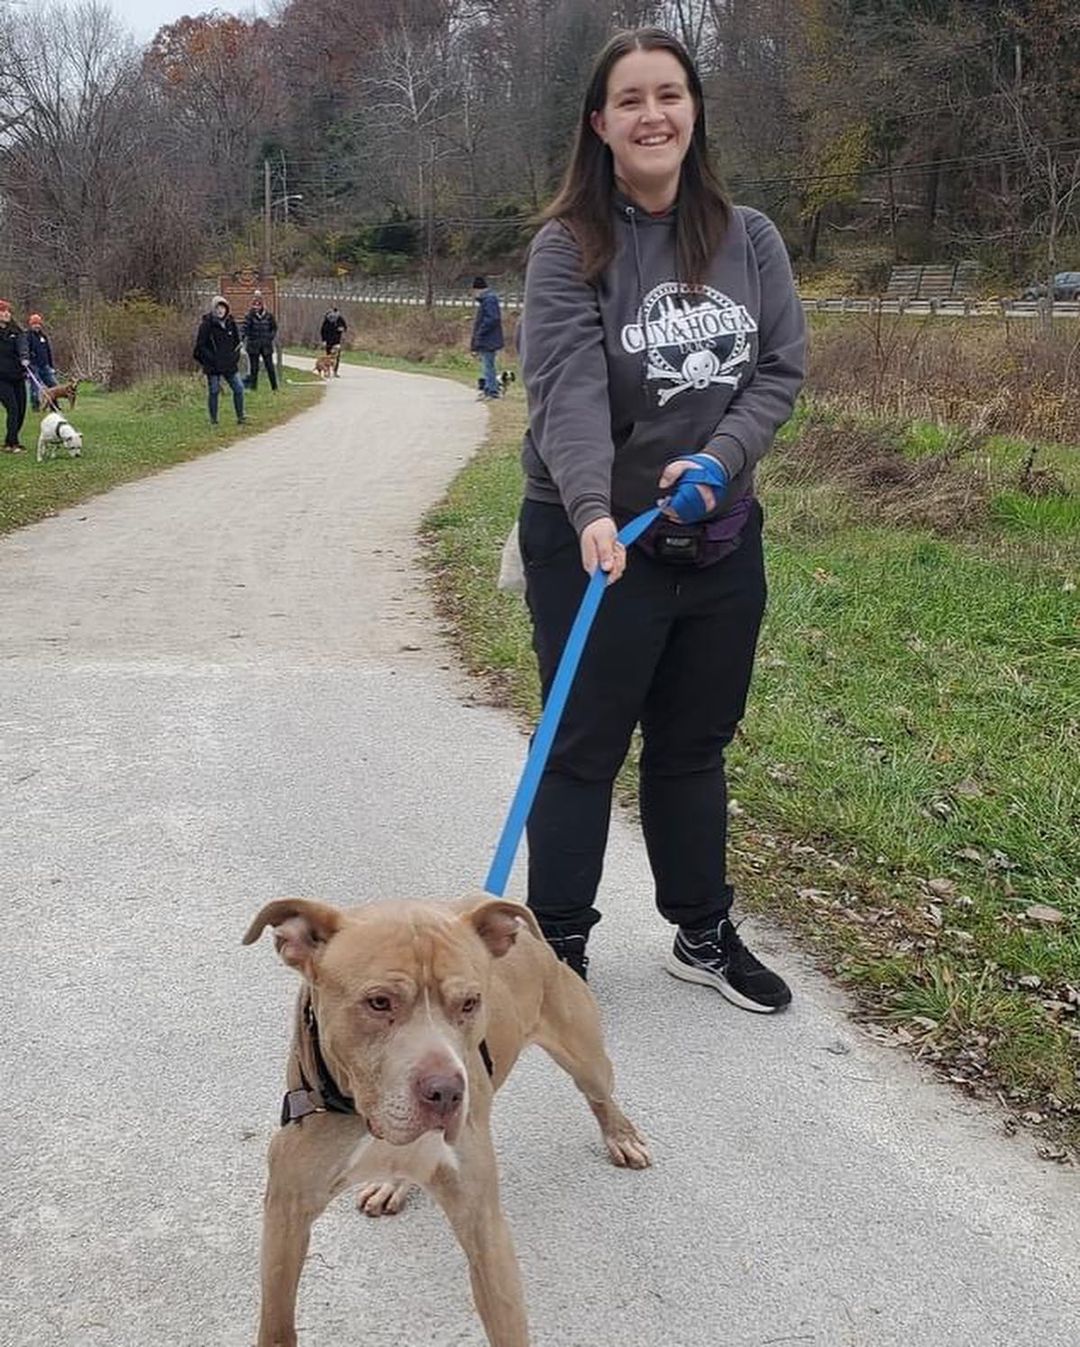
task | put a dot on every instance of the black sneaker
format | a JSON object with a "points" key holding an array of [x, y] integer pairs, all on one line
{"points": [[717, 957], [570, 950]]}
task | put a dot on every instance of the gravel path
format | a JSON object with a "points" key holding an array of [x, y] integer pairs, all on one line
{"points": [[225, 683]]}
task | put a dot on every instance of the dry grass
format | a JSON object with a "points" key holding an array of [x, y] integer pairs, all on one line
{"points": [[994, 376], [942, 492], [425, 336]]}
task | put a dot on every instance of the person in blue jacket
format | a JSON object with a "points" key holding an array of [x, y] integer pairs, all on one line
{"points": [[487, 336], [41, 359]]}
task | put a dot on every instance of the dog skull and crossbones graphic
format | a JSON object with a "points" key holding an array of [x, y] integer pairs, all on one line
{"points": [[692, 339]]}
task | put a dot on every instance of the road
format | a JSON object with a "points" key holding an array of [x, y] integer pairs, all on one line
{"points": [[226, 683]]}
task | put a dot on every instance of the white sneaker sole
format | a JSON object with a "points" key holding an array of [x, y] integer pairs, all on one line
{"points": [[719, 983]]}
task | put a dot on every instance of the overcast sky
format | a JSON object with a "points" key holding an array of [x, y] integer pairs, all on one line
{"points": [[145, 17]]}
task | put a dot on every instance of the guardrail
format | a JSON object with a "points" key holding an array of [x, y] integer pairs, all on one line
{"points": [[943, 308], [340, 292]]}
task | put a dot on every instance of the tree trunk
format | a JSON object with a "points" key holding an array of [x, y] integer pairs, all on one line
{"points": [[811, 232]]}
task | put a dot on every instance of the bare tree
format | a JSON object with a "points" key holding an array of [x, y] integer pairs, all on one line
{"points": [[413, 99], [85, 164]]}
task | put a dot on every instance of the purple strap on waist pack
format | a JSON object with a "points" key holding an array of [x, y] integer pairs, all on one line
{"points": [[706, 543]]}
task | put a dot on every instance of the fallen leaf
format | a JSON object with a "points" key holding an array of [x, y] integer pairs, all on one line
{"points": [[1051, 916], [969, 854], [944, 888]]}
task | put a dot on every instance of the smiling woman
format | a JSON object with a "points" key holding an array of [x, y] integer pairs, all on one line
{"points": [[661, 334]]}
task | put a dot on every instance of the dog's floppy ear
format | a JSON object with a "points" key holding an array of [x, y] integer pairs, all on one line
{"points": [[301, 927], [497, 922]]}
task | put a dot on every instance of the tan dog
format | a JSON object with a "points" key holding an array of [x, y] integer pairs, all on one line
{"points": [[410, 1018], [53, 395], [326, 364]]}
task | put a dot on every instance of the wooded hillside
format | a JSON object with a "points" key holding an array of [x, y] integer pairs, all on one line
{"points": [[423, 134]]}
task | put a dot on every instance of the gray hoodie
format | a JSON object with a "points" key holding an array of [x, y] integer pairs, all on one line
{"points": [[627, 374]]}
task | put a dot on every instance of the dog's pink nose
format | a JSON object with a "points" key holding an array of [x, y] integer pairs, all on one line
{"points": [[442, 1093]]}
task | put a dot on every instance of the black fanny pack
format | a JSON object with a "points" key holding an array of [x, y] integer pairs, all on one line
{"points": [[700, 544]]}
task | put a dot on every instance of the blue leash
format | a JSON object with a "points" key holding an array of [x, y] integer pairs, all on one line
{"points": [[553, 709]]}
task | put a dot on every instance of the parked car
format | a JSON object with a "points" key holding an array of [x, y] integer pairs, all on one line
{"points": [[1066, 286]]}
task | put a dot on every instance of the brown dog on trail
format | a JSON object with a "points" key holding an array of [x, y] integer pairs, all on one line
{"points": [[50, 397], [410, 1017], [326, 363]]}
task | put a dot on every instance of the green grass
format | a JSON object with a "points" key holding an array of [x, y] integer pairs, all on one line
{"points": [[906, 781], [133, 433]]}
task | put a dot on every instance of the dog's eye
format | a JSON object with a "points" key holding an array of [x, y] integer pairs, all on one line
{"points": [[470, 1004], [380, 1004]]}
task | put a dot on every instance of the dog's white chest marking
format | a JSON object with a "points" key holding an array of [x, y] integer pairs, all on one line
{"points": [[418, 1161]]}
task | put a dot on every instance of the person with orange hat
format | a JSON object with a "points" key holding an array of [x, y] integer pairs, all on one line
{"points": [[41, 359], [14, 361]]}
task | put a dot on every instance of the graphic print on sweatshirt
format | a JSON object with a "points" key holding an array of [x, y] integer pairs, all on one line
{"points": [[692, 337]]}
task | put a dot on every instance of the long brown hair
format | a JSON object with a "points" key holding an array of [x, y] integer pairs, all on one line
{"points": [[585, 200]]}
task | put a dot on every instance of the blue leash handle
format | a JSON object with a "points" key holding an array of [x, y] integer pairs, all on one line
{"points": [[553, 709]]}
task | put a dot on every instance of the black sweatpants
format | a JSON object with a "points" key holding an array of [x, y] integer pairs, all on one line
{"points": [[672, 648], [266, 354], [13, 400]]}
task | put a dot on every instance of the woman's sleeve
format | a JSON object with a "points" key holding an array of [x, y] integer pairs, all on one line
{"points": [[761, 407], [566, 377]]}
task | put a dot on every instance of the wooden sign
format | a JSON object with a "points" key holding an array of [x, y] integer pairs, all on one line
{"points": [[239, 286]]}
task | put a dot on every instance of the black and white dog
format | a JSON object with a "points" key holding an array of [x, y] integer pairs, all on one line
{"points": [[56, 433], [506, 378]]}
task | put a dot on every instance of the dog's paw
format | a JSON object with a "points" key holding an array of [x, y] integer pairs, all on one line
{"points": [[625, 1144], [383, 1199], [630, 1150]]}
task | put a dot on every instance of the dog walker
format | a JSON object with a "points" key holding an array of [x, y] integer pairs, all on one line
{"points": [[544, 737], [688, 505]]}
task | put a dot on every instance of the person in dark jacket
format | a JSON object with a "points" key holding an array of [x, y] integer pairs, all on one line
{"points": [[332, 333], [14, 362], [487, 336], [260, 329], [217, 350], [41, 359], [663, 346]]}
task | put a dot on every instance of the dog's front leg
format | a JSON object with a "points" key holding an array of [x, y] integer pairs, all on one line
{"points": [[309, 1165], [470, 1198]]}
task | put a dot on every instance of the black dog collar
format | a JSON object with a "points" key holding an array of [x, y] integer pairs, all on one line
{"points": [[299, 1104]]}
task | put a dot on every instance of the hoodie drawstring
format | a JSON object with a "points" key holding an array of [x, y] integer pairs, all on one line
{"points": [[631, 214]]}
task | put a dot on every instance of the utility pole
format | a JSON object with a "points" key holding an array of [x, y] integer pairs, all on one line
{"points": [[266, 217]]}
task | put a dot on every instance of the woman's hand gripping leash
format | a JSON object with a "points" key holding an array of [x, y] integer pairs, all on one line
{"points": [[702, 481], [699, 481]]}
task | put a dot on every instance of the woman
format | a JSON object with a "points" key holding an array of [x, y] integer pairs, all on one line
{"points": [[14, 362], [659, 322], [41, 359], [217, 350]]}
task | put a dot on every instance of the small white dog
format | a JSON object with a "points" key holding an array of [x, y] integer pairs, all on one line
{"points": [[56, 430]]}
